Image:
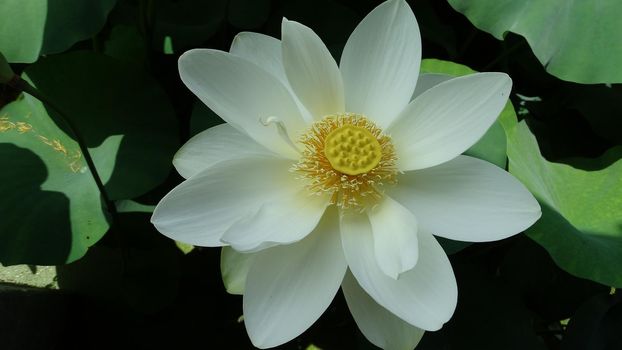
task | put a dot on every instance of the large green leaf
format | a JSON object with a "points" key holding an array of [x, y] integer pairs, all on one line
{"points": [[581, 224], [34, 27], [21, 29], [124, 115], [50, 205], [70, 21], [575, 40]]}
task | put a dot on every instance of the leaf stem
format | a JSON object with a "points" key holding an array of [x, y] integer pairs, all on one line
{"points": [[22, 85]]}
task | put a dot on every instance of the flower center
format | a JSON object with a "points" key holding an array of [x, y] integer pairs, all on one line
{"points": [[348, 157], [352, 150]]}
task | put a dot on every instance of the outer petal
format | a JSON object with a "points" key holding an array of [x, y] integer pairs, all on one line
{"points": [[447, 119], [234, 268], [289, 287], [395, 237], [424, 296], [263, 50], [283, 221], [218, 143], [467, 199], [311, 70], [242, 94], [378, 325], [380, 62], [202, 208]]}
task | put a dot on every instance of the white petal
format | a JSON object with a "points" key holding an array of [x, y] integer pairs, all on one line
{"points": [[242, 94], [467, 199], [380, 62], [424, 296], [447, 119], [234, 267], [199, 210], [289, 287], [218, 143], [378, 325], [395, 237], [282, 221], [263, 50], [426, 81], [311, 70]]}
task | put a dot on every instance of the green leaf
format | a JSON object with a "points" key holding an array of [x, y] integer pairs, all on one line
{"points": [[574, 40], [34, 27], [125, 117], [21, 29], [126, 44], [581, 210], [131, 132], [50, 204], [70, 21]]}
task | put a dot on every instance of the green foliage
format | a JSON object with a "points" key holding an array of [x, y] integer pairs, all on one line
{"points": [[125, 117], [574, 40], [21, 29], [129, 128], [51, 202], [581, 225], [35, 27]]}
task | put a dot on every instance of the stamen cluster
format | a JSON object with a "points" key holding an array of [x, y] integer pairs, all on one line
{"points": [[346, 191]]}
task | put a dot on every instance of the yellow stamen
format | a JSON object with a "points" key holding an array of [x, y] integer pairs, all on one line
{"points": [[347, 157]]}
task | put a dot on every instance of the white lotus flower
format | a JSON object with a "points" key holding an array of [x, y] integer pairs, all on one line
{"points": [[327, 176]]}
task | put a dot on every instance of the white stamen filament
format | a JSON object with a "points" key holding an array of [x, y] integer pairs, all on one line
{"points": [[281, 129]]}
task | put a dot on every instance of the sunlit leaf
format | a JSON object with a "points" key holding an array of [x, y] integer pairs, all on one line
{"points": [[574, 40], [34, 27], [21, 29], [50, 204], [581, 224], [125, 117]]}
